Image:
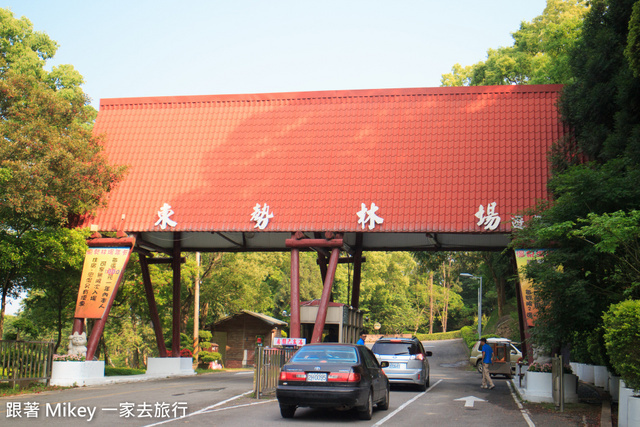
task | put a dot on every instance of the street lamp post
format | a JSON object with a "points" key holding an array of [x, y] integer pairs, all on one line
{"points": [[479, 301]]}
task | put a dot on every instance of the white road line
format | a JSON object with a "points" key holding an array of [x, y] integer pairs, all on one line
{"points": [[404, 405], [524, 412], [238, 406], [203, 410]]}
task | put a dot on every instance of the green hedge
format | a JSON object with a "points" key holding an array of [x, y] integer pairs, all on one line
{"points": [[622, 340], [439, 336]]}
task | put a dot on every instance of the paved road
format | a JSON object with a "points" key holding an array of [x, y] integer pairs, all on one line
{"points": [[221, 399]]}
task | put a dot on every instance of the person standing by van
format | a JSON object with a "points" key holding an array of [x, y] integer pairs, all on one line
{"points": [[487, 355]]}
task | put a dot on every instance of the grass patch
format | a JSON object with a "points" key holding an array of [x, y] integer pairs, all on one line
{"points": [[7, 390], [110, 371]]}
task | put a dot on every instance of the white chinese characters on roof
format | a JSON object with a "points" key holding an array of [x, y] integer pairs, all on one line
{"points": [[261, 216], [517, 222], [490, 219], [163, 214], [369, 216]]}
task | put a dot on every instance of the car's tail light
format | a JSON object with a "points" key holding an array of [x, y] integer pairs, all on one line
{"points": [[349, 377], [292, 376]]}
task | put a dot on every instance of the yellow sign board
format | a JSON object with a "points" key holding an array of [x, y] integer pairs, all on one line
{"points": [[523, 256], [100, 274]]}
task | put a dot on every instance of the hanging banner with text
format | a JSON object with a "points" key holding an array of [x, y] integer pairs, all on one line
{"points": [[102, 269], [524, 256]]}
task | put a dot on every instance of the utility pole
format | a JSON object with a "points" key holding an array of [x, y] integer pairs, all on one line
{"points": [[196, 312]]}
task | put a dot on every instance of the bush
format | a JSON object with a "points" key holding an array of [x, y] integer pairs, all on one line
{"points": [[439, 336], [209, 356], [205, 336], [622, 339], [468, 335]]}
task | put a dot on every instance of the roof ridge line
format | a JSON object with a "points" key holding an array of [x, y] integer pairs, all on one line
{"points": [[329, 94]]}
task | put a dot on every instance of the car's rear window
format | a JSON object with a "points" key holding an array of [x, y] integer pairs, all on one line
{"points": [[396, 348], [326, 354]]}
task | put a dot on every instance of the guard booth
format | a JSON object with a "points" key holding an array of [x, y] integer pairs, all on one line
{"points": [[343, 323], [501, 363]]}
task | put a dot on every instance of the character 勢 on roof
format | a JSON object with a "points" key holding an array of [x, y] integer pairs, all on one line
{"points": [[261, 216]]}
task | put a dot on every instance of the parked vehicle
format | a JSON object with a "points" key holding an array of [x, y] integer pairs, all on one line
{"points": [[407, 360], [475, 357], [330, 375]]}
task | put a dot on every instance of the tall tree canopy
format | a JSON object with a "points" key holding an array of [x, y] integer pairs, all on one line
{"points": [[590, 222], [539, 55], [51, 167]]}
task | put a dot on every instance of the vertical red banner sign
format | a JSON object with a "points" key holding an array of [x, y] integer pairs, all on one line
{"points": [[103, 267]]}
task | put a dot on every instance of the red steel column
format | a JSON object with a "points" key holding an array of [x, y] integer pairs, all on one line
{"points": [[153, 309], [321, 317], [294, 330], [78, 325], [357, 273]]}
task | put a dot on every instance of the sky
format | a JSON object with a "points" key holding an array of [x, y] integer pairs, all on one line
{"points": [[135, 48]]}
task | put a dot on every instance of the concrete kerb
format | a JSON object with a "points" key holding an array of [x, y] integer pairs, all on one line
{"points": [[605, 411]]}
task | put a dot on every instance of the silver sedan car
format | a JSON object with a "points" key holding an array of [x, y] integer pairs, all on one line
{"points": [[407, 360]]}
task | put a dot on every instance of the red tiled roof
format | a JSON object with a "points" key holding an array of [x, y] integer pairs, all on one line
{"points": [[428, 158]]}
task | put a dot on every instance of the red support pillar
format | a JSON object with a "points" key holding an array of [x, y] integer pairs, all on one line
{"points": [[153, 309], [357, 273], [175, 263], [321, 317], [294, 330], [78, 325]]}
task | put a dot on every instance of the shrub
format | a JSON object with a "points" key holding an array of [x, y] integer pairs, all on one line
{"points": [[438, 336], [205, 336], [622, 339], [185, 352], [209, 356]]}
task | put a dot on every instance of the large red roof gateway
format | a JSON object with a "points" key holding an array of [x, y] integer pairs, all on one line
{"points": [[435, 161]]}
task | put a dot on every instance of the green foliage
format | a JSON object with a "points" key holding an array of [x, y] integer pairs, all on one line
{"points": [[469, 335], [539, 55], [602, 105], [439, 336], [110, 371], [632, 50], [51, 166], [209, 356], [204, 336], [622, 340]]}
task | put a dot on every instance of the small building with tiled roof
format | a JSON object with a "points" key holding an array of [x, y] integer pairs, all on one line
{"points": [[238, 334]]}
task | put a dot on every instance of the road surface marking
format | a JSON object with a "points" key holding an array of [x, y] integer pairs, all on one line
{"points": [[470, 400], [404, 405], [203, 410], [524, 412]]}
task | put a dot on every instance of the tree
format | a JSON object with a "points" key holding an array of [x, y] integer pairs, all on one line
{"points": [[51, 167], [539, 55], [586, 270]]}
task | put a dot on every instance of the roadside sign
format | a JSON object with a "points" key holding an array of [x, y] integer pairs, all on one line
{"points": [[290, 341]]}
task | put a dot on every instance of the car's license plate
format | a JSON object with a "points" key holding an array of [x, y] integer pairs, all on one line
{"points": [[397, 366], [317, 377]]}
